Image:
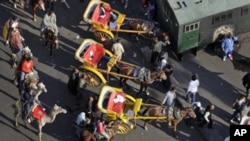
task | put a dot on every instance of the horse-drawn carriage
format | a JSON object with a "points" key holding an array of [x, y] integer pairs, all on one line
{"points": [[117, 105], [96, 61], [112, 21]]}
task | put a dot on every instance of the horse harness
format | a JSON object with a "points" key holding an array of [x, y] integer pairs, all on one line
{"points": [[173, 112], [142, 74]]}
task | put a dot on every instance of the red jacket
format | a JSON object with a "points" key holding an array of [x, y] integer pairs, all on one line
{"points": [[27, 66]]}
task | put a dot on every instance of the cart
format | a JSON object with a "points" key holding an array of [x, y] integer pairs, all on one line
{"points": [[97, 62], [100, 24], [117, 105]]}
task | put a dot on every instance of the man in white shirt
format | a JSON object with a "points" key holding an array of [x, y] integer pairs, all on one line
{"points": [[118, 49], [169, 101], [192, 89]]}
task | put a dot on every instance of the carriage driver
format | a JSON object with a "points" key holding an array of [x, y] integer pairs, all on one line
{"points": [[49, 21]]}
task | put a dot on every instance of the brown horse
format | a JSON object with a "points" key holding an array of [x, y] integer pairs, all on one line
{"points": [[37, 4], [141, 25], [157, 111], [129, 70]]}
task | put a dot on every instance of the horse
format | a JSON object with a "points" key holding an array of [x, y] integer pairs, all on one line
{"points": [[37, 4], [130, 70], [50, 39], [153, 31], [157, 111], [46, 118]]}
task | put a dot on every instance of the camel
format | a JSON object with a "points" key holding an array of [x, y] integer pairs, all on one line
{"points": [[45, 118]]}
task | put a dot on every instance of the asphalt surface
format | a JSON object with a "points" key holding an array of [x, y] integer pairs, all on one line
{"points": [[220, 82]]}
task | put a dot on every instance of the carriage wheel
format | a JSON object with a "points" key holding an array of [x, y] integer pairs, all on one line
{"points": [[123, 128], [103, 37], [92, 79]]}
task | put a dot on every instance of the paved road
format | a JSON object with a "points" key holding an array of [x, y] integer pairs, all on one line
{"points": [[220, 83]]}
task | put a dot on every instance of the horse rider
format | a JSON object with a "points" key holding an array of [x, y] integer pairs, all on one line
{"points": [[169, 101], [49, 21], [100, 124]]}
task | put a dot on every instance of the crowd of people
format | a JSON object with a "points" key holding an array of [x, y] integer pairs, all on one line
{"points": [[89, 118]]}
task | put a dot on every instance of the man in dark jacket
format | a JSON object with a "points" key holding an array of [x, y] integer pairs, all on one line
{"points": [[207, 118], [73, 81], [246, 83]]}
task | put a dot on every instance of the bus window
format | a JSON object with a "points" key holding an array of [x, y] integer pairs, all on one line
{"points": [[244, 11], [229, 16], [223, 17], [187, 28], [196, 25], [192, 27]]}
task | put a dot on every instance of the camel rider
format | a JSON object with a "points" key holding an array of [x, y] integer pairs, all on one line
{"points": [[27, 66], [9, 25], [169, 100], [26, 102], [101, 129], [49, 21]]}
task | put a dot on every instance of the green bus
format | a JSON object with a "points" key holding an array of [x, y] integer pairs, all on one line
{"points": [[193, 24]]}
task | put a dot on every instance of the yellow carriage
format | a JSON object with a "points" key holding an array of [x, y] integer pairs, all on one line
{"points": [[96, 61], [118, 105], [103, 32]]}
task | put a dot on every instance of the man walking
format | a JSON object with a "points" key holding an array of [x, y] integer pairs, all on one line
{"points": [[192, 89], [169, 101], [228, 46], [208, 117], [244, 113], [246, 83], [156, 51], [118, 49]]}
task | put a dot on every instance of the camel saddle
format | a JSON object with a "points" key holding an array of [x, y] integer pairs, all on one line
{"points": [[38, 112]]}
